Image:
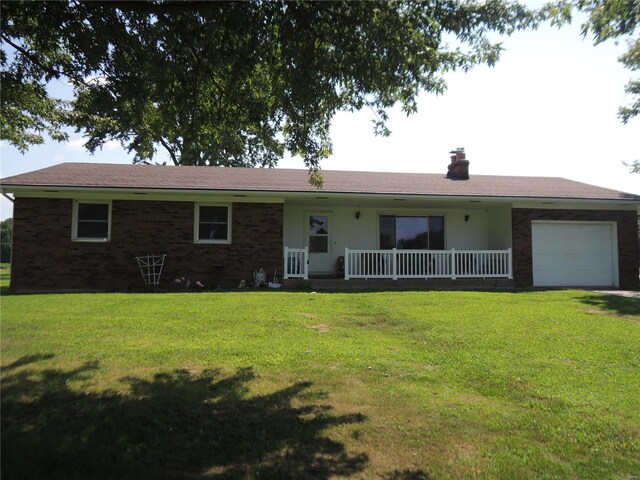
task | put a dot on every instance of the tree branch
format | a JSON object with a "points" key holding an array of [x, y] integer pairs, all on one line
{"points": [[36, 60], [172, 154], [154, 8]]}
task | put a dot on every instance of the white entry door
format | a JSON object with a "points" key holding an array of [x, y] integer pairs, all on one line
{"points": [[576, 254], [318, 238]]}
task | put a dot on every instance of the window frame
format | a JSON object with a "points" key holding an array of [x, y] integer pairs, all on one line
{"points": [[396, 214], [325, 235], [75, 219], [196, 224]]}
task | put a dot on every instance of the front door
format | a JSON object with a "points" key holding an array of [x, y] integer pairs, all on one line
{"points": [[318, 237]]}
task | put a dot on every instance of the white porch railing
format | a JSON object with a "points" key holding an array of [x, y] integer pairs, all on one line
{"points": [[452, 264], [296, 263]]}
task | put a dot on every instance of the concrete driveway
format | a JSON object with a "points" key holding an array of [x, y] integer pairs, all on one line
{"points": [[621, 293]]}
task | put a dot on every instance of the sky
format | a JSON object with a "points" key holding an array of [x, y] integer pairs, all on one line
{"points": [[548, 108]]}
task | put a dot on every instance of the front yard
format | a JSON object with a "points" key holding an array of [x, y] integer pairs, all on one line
{"points": [[397, 385]]}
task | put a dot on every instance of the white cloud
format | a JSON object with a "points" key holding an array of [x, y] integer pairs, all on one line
{"points": [[76, 145], [111, 145]]}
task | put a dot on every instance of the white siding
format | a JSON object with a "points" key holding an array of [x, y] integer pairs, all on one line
{"points": [[500, 231], [467, 235], [362, 233]]}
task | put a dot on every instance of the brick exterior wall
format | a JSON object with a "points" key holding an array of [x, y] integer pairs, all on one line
{"points": [[45, 257], [628, 255]]}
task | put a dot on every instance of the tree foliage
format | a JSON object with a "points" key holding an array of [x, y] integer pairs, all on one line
{"points": [[239, 83], [610, 20], [6, 240], [634, 167], [617, 19]]}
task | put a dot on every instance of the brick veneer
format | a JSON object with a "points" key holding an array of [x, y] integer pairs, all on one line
{"points": [[627, 222], [45, 258]]}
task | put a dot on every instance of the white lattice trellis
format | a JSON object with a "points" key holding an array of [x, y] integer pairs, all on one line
{"points": [[151, 268]]}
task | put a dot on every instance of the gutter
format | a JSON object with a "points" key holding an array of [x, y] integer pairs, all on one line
{"points": [[59, 191]]}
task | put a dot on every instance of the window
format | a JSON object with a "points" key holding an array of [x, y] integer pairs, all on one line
{"points": [[91, 221], [411, 232], [318, 233], [212, 224]]}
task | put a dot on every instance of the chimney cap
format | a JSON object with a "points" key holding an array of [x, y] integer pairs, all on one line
{"points": [[457, 150]]}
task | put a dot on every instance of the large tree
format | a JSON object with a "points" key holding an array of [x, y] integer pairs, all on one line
{"points": [[617, 20], [614, 20], [240, 83], [6, 240]]}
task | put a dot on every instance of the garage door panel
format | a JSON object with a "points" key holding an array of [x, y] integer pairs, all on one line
{"points": [[572, 254]]}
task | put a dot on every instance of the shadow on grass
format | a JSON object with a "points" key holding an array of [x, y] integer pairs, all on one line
{"points": [[407, 474], [178, 425], [614, 304], [27, 359]]}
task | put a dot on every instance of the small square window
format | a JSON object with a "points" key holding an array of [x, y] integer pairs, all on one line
{"points": [[91, 221], [212, 224]]}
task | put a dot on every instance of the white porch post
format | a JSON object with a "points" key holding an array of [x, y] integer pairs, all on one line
{"points": [[453, 264], [394, 265], [306, 263], [346, 263], [286, 262], [510, 265]]}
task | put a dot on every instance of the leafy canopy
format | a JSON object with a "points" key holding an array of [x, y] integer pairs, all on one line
{"points": [[6, 240], [618, 20], [217, 83]]}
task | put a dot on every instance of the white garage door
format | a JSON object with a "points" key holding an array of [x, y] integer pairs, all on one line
{"points": [[573, 254]]}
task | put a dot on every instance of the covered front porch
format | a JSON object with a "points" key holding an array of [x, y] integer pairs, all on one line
{"points": [[400, 240]]}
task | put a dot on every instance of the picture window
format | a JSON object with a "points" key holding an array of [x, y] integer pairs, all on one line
{"points": [[412, 232]]}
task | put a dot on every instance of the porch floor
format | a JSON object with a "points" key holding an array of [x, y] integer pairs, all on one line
{"points": [[324, 283]]}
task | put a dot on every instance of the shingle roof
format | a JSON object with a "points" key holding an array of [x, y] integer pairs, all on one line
{"points": [[93, 175]]}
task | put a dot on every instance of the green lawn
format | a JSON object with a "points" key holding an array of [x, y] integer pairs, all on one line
{"points": [[394, 385]]}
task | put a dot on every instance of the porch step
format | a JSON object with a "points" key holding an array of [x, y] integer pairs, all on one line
{"points": [[339, 284]]}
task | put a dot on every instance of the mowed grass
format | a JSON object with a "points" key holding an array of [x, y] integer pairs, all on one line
{"points": [[393, 385]]}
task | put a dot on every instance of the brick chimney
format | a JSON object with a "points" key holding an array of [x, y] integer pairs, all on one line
{"points": [[459, 166]]}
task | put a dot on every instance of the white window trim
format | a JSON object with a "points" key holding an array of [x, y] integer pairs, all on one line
{"points": [[407, 213], [74, 222], [196, 223]]}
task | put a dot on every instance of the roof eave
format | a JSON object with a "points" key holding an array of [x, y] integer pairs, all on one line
{"points": [[186, 192]]}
